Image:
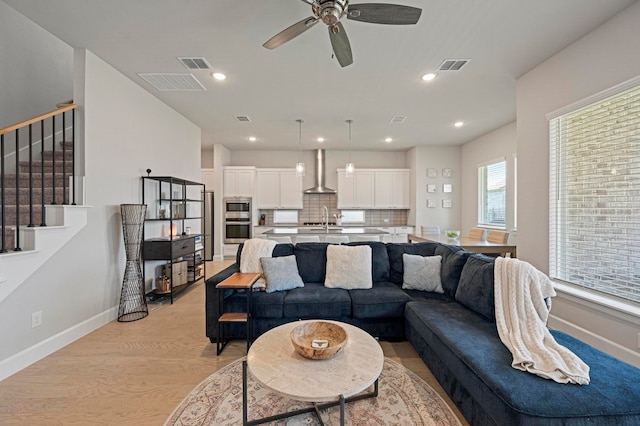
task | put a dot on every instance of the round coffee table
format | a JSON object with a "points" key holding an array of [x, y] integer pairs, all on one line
{"points": [[274, 363]]}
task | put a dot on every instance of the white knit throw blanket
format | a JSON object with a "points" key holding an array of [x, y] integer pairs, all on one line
{"points": [[252, 251], [521, 318]]}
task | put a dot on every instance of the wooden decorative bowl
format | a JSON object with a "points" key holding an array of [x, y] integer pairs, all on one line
{"points": [[310, 339]]}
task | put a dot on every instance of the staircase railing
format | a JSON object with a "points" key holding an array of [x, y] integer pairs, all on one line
{"points": [[24, 141]]}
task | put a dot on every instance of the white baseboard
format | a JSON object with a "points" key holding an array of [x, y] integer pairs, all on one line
{"points": [[40, 350], [218, 257], [623, 353]]}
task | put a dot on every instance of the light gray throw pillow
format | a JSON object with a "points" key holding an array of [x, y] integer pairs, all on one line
{"points": [[281, 273], [422, 273]]}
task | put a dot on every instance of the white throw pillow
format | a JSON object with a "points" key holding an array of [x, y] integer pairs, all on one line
{"points": [[422, 273], [348, 267]]}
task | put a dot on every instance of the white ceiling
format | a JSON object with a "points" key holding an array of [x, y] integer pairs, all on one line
{"points": [[502, 38]]}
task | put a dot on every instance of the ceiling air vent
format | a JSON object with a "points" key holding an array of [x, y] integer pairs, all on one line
{"points": [[173, 82], [452, 64], [242, 118], [397, 119], [196, 63]]}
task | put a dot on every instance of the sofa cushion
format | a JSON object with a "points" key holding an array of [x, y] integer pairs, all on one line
{"points": [[314, 300], [395, 252], [312, 261], [348, 267], [281, 273], [265, 305], [383, 300], [453, 259], [475, 289], [474, 355], [379, 259], [422, 273]]}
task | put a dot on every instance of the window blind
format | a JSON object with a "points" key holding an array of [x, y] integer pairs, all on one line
{"points": [[595, 196], [493, 194]]}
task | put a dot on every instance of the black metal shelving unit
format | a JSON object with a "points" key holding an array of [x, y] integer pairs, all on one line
{"points": [[170, 203]]}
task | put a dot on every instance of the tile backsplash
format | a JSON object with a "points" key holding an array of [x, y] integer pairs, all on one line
{"points": [[312, 212]]}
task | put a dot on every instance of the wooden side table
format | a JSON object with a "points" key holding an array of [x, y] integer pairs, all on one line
{"points": [[237, 281]]}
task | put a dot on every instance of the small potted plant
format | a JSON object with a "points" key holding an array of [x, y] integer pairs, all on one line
{"points": [[338, 217]]}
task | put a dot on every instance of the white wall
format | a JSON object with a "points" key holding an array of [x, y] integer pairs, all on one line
{"points": [[603, 58], [126, 130], [36, 69], [499, 144], [419, 160]]}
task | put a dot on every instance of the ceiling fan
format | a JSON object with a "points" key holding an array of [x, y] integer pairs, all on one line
{"points": [[331, 11]]}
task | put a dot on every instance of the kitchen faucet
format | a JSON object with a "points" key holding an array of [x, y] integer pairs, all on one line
{"points": [[325, 218]]}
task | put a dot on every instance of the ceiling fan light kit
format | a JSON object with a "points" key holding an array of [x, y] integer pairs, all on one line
{"points": [[331, 11]]}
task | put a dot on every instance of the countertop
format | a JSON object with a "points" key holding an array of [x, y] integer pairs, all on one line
{"points": [[318, 230]]}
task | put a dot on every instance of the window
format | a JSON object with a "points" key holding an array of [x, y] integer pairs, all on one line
{"points": [[352, 216], [285, 216], [595, 195], [492, 199]]}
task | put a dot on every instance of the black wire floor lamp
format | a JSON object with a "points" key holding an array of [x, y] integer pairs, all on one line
{"points": [[133, 304]]}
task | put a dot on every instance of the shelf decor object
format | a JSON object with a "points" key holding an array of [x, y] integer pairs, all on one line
{"points": [[133, 305]]}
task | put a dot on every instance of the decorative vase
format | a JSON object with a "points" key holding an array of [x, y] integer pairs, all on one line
{"points": [[133, 305]]}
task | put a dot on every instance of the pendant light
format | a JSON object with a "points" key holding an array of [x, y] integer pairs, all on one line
{"points": [[350, 168], [300, 164]]}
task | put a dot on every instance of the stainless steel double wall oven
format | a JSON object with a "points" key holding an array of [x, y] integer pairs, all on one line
{"points": [[237, 220]]}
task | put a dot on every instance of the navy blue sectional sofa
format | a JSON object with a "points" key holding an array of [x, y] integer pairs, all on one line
{"points": [[454, 333]]}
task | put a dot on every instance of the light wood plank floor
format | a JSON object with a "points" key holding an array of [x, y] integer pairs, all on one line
{"points": [[136, 373]]}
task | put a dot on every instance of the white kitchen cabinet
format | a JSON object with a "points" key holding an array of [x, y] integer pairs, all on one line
{"points": [[208, 178], [258, 231], [391, 189], [402, 234], [279, 189], [238, 181], [357, 191], [390, 237]]}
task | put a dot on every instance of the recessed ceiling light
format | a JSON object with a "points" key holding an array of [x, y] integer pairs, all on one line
{"points": [[459, 123], [428, 77], [388, 140], [320, 139], [252, 138], [218, 76]]}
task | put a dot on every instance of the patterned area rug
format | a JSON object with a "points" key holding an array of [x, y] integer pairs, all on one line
{"points": [[403, 399]]}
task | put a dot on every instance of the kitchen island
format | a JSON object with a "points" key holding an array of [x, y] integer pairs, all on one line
{"points": [[353, 233]]}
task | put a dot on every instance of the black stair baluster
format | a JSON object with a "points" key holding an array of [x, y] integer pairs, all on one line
{"points": [[30, 176], [43, 221], [65, 197], [53, 155], [17, 154], [3, 249], [73, 152]]}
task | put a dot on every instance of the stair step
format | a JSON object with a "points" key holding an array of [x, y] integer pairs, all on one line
{"points": [[10, 195], [58, 155], [48, 166], [10, 180]]}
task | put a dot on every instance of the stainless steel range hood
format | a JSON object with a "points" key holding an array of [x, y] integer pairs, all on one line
{"points": [[319, 187]]}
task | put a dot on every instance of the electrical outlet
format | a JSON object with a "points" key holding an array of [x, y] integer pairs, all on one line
{"points": [[36, 319], [385, 220]]}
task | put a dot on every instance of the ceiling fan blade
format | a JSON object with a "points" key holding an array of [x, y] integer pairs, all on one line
{"points": [[381, 13], [309, 2], [340, 44], [293, 31]]}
